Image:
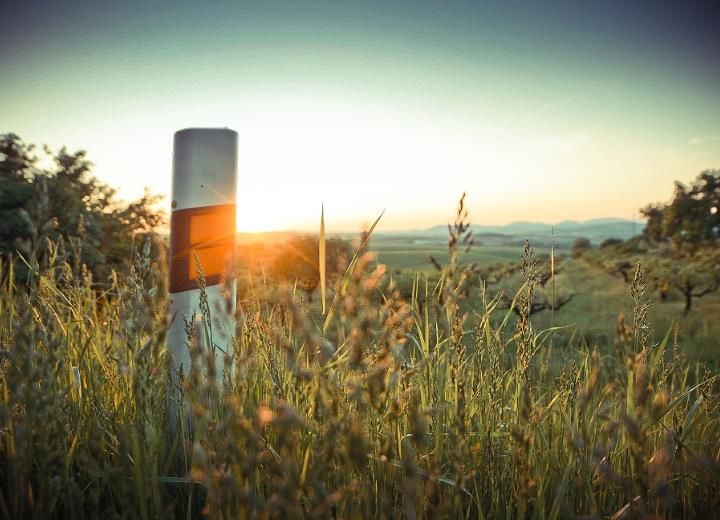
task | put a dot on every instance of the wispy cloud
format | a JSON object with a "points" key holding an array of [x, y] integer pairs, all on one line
{"points": [[705, 139]]}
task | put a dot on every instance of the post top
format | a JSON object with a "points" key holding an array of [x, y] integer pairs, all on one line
{"points": [[202, 130], [204, 167]]}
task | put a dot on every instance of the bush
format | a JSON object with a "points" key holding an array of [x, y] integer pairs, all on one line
{"points": [[580, 246], [297, 261], [610, 242]]}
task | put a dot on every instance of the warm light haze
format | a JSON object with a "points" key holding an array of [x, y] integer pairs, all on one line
{"points": [[539, 112]]}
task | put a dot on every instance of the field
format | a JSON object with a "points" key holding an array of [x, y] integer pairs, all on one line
{"points": [[598, 298], [413, 254], [432, 404]]}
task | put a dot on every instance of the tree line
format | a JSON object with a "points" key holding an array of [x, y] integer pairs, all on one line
{"points": [[679, 249], [66, 204]]}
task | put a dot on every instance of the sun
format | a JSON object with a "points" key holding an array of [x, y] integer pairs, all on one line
{"points": [[253, 218]]}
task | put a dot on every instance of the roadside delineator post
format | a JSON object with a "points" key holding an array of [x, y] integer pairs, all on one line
{"points": [[202, 223]]}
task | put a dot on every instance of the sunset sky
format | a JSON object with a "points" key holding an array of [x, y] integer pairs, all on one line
{"points": [[543, 112]]}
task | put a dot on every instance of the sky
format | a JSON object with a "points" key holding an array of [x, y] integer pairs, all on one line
{"points": [[540, 111]]}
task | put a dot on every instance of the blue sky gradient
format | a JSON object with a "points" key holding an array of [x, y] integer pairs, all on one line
{"points": [[541, 112]]}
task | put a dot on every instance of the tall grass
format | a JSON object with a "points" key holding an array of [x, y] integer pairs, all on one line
{"points": [[391, 405]]}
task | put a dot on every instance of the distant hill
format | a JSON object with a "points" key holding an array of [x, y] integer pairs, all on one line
{"points": [[515, 233], [540, 233]]}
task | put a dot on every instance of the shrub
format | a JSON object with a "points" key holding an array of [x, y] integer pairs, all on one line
{"points": [[580, 246]]}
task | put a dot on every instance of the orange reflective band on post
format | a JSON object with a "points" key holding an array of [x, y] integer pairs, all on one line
{"points": [[208, 231]]}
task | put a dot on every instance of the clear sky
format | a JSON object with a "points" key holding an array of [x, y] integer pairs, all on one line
{"points": [[539, 110]]}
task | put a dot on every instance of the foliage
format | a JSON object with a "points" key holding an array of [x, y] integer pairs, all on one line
{"points": [[297, 261], [16, 192], [580, 246], [68, 205], [691, 219], [614, 260], [611, 242], [540, 269], [694, 276], [680, 252]]}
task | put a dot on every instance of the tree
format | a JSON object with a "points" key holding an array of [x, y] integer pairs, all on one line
{"points": [[540, 303], [297, 261], [691, 219], [685, 232], [495, 273], [542, 274], [622, 268], [694, 276], [68, 205], [16, 190], [548, 268]]}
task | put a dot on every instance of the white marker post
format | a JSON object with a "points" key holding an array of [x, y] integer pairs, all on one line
{"points": [[202, 222]]}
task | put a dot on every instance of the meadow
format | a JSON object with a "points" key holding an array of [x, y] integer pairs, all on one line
{"points": [[431, 404], [411, 254], [598, 298]]}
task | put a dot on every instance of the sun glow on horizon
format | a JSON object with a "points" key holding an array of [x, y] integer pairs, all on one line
{"points": [[359, 157], [365, 157]]}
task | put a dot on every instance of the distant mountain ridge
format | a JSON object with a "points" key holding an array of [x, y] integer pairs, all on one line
{"points": [[596, 230], [515, 233]]}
